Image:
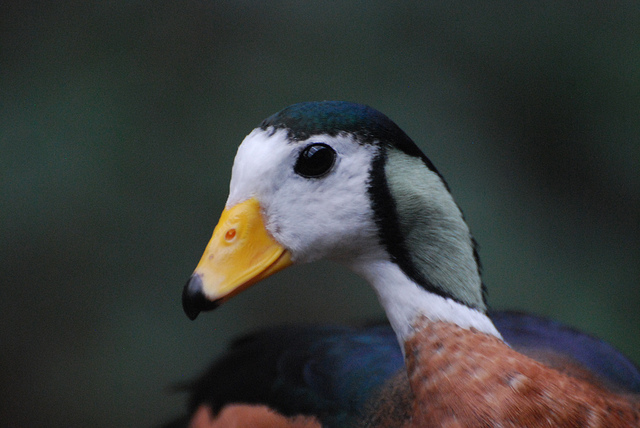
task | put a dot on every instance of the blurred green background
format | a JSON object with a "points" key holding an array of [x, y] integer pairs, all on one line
{"points": [[118, 126]]}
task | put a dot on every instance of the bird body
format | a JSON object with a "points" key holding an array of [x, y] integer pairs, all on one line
{"points": [[355, 376], [341, 181]]}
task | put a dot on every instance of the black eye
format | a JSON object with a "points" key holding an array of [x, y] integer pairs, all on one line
{"points": [[315, 160]]}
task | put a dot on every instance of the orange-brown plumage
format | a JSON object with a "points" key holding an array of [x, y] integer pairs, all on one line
{"points": [[247, 416], [465, 378]]}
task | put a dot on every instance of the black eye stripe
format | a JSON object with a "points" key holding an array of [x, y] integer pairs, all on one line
{"points": [[315, 160]]}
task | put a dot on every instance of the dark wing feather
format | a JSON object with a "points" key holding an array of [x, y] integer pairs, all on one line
{"points": [[324, 371]]}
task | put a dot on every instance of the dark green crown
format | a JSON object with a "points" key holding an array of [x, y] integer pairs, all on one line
{"points": [[367, 124], [332, 118]]}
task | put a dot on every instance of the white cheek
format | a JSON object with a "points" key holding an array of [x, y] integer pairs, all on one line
{"points": [[328, 217]]}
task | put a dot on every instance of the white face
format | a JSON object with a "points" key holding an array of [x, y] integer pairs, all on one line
{"points": [[314, 218]]}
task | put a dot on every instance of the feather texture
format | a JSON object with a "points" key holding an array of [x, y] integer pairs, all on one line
{"points": [[355, 376], [465, 378]]}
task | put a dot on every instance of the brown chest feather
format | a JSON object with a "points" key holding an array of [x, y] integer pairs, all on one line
{"points": [[464, 378]]}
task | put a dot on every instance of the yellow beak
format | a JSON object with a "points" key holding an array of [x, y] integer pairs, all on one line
{"points": [[240, 253]]}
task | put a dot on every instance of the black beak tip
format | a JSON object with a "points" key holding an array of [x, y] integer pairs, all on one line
{"points": [[193, 299]]}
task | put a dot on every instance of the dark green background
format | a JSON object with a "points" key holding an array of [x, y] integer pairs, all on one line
{"points": [[118, 126]]}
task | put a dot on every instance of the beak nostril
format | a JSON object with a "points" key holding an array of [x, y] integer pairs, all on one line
{"points": [[193, 299]]}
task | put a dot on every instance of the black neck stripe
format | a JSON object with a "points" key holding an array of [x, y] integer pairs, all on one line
{"points": [[388, 224]]}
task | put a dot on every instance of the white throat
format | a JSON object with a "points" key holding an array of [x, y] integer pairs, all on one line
{"points": [[404, 301]]}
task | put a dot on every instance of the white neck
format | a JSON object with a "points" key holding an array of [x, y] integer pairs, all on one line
{"points": [[404, 301]]}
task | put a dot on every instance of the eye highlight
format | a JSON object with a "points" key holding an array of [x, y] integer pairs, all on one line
{"points": [[315, 160]]}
